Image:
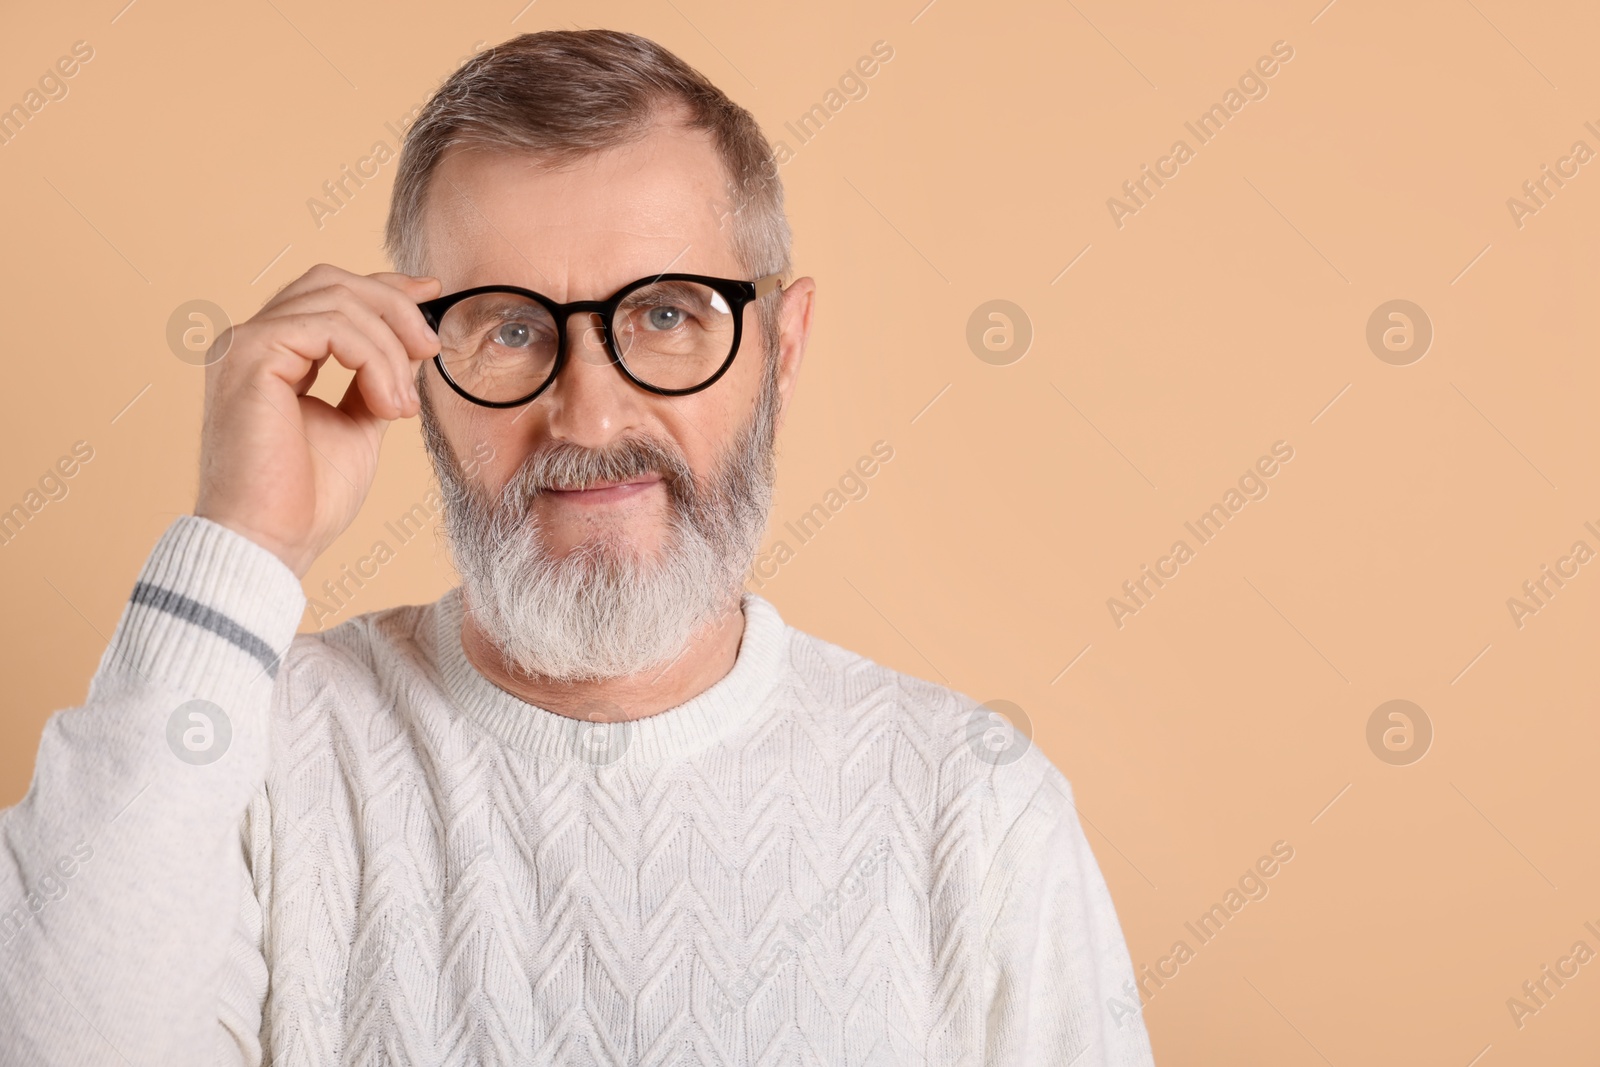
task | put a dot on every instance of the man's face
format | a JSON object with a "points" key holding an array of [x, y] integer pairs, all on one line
{"points": [[597, 525], [581, 233]]}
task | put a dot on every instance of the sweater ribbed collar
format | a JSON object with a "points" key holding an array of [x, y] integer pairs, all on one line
{"points": [[674, 733]]}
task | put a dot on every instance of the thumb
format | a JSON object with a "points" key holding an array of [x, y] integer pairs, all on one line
{"points": [[354, 406], [418, 286]]}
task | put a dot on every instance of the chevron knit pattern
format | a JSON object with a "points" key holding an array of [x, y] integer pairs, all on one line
{"points": [[817, 861]]}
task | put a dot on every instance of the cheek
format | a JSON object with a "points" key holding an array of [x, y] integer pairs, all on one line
{"points": [[505, 451], [701, 426], [489, 446], [747, 363], [706, 424]]}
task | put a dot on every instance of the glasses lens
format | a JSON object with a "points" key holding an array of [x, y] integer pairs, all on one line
{"points": [[674, 334], [498, 346]]}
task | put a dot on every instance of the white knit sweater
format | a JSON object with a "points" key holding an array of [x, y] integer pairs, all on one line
{"points": [[395, 862]]}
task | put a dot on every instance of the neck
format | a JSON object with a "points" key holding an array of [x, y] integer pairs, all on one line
{"points": [[708, 657]]}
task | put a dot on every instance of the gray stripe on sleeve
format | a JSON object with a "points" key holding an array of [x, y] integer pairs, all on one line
{"points": [[192, 611]]}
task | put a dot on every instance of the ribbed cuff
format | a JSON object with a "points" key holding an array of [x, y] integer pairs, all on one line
{"points": [[211, 611]]}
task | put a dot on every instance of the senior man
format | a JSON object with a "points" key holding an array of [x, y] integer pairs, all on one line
{"points": [[596, 805]]}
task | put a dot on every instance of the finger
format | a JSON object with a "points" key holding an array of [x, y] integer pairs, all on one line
{"points": [[303, 386], [316, 277], [354, 404], [395, 297], [343, 298], [419, 283], [317, 335]]}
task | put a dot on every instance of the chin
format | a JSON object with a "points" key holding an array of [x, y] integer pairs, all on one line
{"points": [[617, 543]]}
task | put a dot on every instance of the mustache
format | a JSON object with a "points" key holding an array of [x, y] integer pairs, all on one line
{"points": [[571, 466]]}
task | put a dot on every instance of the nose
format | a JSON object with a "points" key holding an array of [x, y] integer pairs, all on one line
{"points": [[590, 403]]}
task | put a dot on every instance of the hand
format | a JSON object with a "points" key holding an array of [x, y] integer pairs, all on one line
{"points": [[287, 470]]}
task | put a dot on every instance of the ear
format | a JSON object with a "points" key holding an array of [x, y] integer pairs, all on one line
{"points": [[794, 329]]}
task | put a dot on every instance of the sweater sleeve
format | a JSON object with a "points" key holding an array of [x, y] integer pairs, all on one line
{"points": [[1059, 968], [129, 929]]}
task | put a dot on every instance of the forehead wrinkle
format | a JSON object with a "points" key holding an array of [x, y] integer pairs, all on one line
{"points": [[561, 277], [576, 241], [475, 223]]}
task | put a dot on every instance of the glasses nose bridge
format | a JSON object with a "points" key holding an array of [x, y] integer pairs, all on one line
{"points": [[596, 314]]}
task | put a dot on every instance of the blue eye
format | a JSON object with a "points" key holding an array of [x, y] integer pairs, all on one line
{"points": [[514, 335], [664, 318]]}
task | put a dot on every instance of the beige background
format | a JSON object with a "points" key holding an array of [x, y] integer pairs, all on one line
{"points": [[1224, 316]]}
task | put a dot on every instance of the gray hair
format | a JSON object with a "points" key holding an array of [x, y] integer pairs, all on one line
{"points": [[562, 94]]}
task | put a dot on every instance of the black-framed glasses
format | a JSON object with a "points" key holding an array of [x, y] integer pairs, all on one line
{"points": [[671, 334]]}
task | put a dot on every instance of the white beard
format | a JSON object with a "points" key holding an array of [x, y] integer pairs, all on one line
{"points": [[606, 609]]}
